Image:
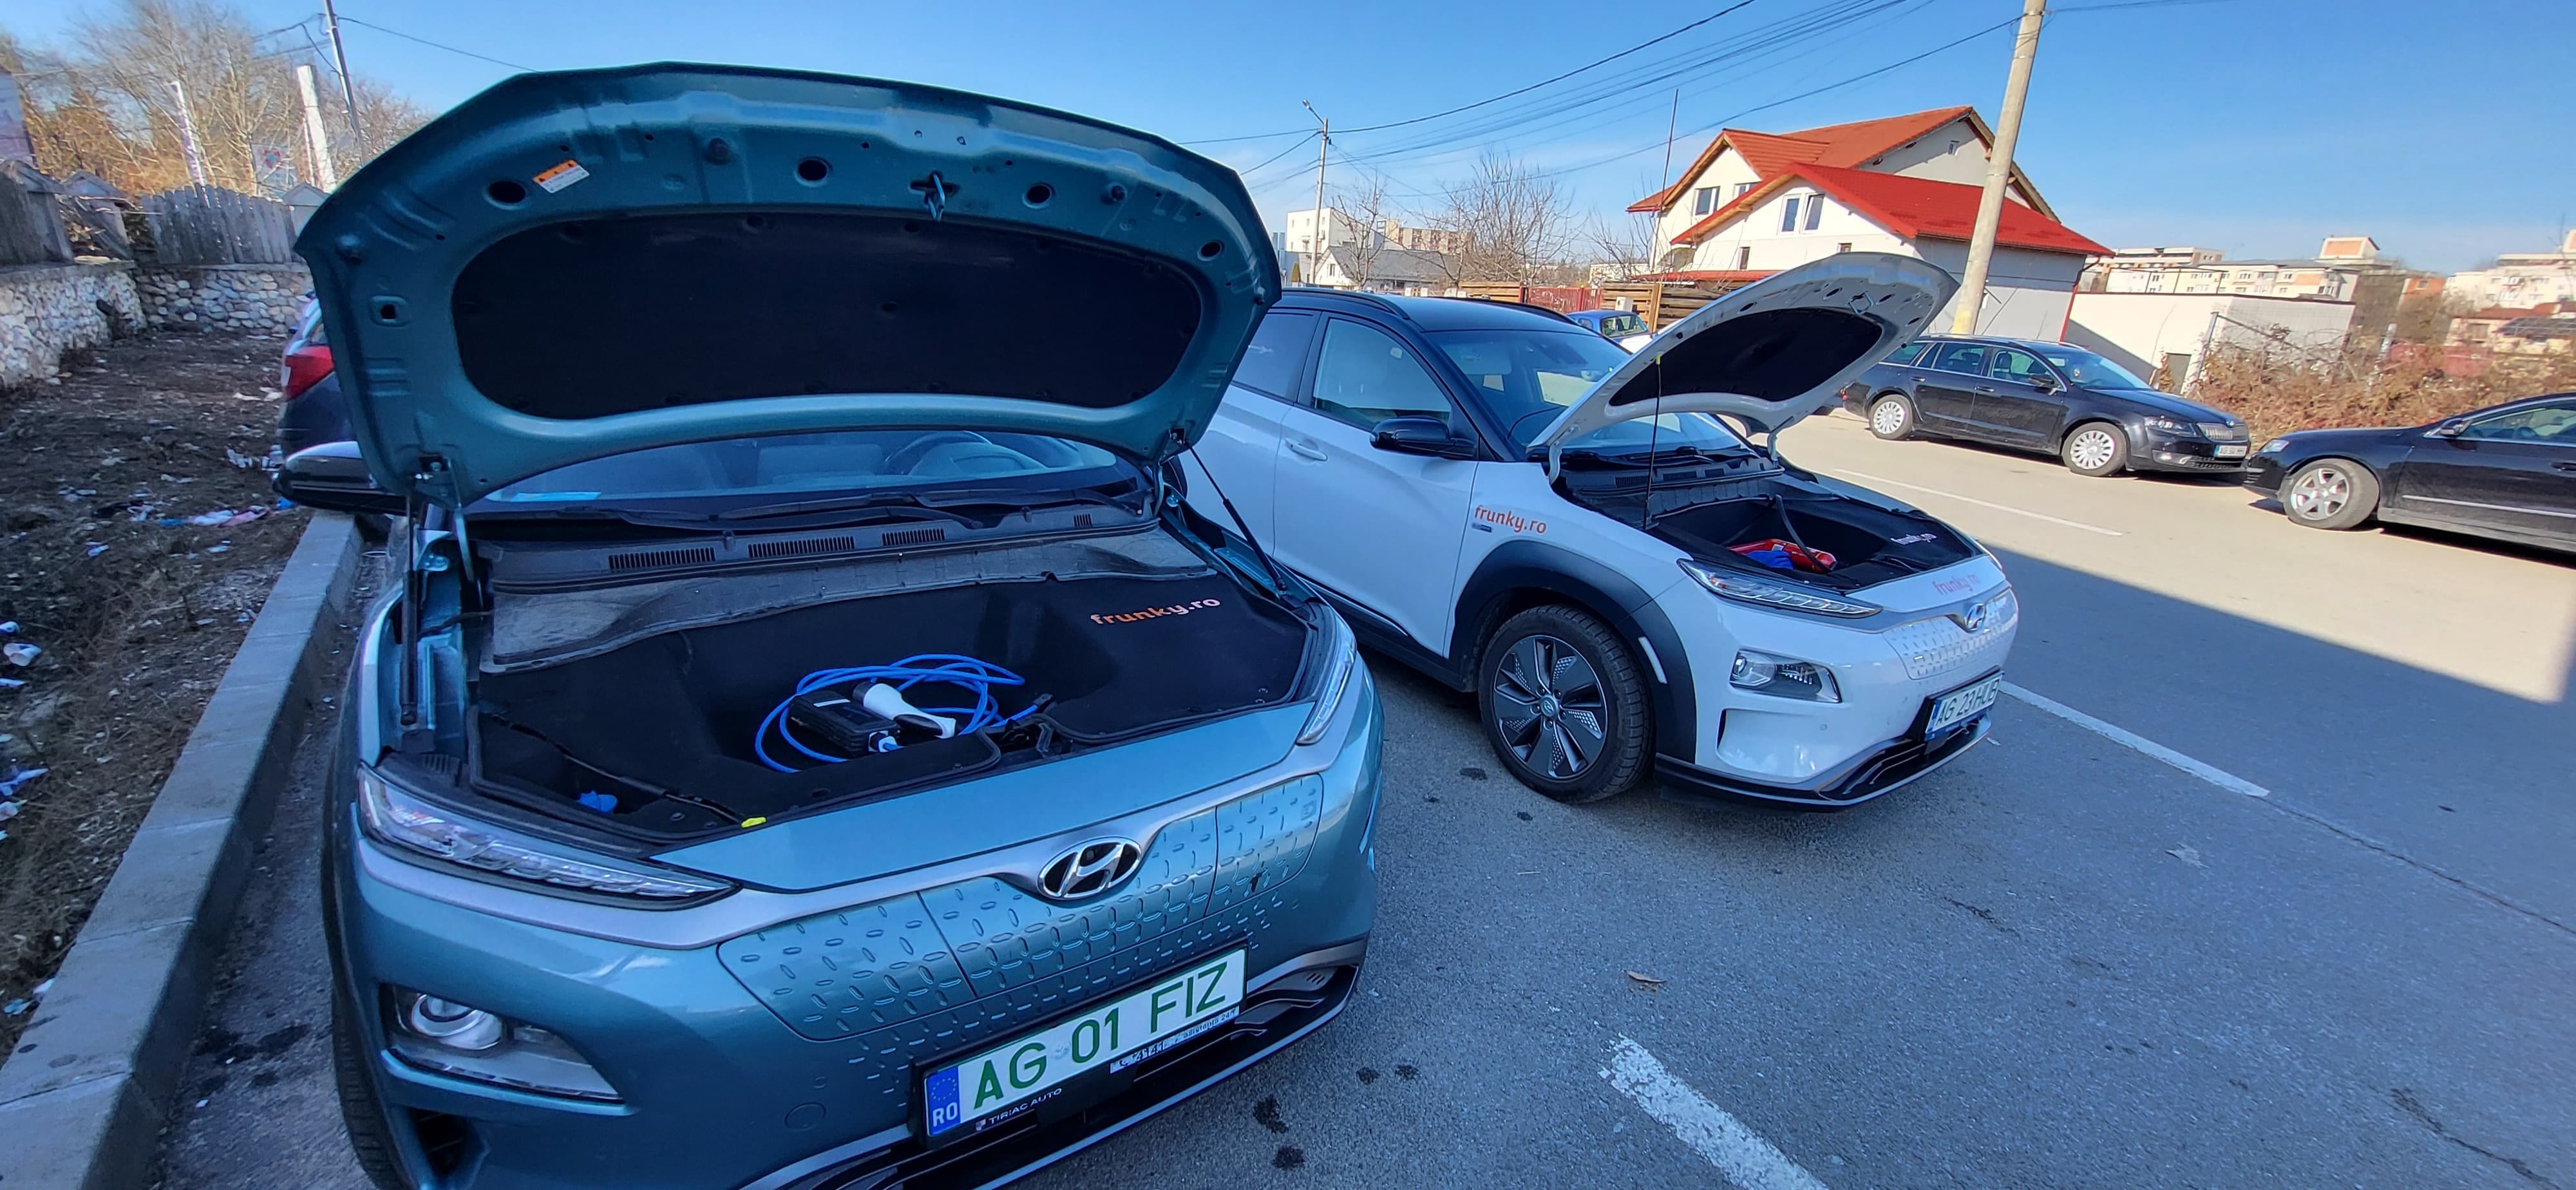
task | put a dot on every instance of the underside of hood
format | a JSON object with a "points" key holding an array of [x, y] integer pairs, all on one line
{"points": [[579, 264], [1772, 352]]}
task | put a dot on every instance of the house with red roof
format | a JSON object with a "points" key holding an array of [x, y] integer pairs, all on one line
{"points": [[1753, 203]]}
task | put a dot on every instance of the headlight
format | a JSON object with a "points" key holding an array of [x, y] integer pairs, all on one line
{"points": [[1783, 677], [2274, 446], [1749, 589], [2168, 425], [466, 1042], [1343, 659], [407, 823]]}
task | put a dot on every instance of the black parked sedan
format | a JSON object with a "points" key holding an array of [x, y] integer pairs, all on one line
{"points": [[2051, 398], [2507, 472]]}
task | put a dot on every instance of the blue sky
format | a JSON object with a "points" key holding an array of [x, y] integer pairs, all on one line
{"points": [[2253, 126]]}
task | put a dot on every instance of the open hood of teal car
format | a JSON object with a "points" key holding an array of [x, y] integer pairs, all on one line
{"points": [[1771, 353], [579, 264]]}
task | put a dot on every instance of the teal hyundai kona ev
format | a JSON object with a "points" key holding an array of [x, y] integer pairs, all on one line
{"points": [[811, 742]]}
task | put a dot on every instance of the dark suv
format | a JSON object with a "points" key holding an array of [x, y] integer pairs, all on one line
{"points": [[2045, 397]]}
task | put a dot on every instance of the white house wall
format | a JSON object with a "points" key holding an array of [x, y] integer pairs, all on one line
{"points": [[1774, 249], [2027, 292], [2139, 330], [1725, 173], [1950, 153]]}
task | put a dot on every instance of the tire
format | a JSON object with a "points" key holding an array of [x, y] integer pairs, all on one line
{"points": [[361, 1113], [2331, 494], [1891, 416], [1545, 679], [2095, 449]]}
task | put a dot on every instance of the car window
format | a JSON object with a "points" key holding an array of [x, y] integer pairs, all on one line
{"points": [[1277, 356], [1620, 326], [1961, 357], [1367, 376], [1906, 355], [2554, 422], [822, 463], [2020, 367]]}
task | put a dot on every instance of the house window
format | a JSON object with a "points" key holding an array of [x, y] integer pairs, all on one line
{"points": [[1703, 200], [1789, 214], [1743, 259], [1815, 210], [1845, 246], [1743, 188]]}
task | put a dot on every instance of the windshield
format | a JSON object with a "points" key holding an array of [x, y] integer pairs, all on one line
{"points": [[1526, 378], [777, 467], [2084, 367]]}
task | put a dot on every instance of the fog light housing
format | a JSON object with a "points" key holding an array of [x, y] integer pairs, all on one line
{"points": [[462, 1041], [1783, 677]]}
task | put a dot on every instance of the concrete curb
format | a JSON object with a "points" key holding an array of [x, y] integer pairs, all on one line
{"points": [[83, 1098]]}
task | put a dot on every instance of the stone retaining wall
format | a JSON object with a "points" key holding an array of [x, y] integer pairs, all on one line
{"points": [[48, 309], [249, 299]]}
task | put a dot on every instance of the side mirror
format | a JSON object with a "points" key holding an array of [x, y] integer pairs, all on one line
{"points": [[1415, 435], [2451, 427], [333, 476], [2044, 382]]}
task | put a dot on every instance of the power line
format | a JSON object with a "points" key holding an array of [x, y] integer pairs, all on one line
{"points": [[346, 20]]}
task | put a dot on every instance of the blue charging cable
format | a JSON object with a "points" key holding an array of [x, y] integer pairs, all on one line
{"points": [[975, 677]]}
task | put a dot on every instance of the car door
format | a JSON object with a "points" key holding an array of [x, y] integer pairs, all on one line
{"points": [[1239, 454], [1945, 390], [2510, 473], [1377, 528], [2020, 403]]}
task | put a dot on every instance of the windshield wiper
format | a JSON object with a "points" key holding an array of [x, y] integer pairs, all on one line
{"points": [[1021, 501], [1640, 458]]}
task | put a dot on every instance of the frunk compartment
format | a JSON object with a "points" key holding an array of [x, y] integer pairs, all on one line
{"points": [[661, 732], [1870, 544]]}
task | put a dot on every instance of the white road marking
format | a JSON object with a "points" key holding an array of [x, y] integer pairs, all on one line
{"points": [[2123, 736], [1749, 1161], [2036, 516]]}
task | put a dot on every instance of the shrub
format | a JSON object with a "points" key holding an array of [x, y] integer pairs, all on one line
{"points": [[2277, 390]]}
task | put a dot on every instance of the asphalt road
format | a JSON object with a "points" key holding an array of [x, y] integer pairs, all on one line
{"points": [[2062, 961]]}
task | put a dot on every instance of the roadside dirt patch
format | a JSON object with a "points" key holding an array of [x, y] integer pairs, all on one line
{"points": [[111, 565]]}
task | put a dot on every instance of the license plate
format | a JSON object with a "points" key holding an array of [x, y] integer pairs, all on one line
{"points": [[1014, 1078], [2233, 450], [1962, 704]]}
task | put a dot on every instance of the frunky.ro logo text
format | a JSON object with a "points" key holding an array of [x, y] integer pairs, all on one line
{"points": [[1177, 609], [1509, 520]]}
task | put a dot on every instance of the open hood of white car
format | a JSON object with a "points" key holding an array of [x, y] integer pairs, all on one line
{"points": [[1772, 352]]}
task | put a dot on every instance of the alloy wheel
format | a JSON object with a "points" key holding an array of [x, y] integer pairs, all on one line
{"points": [[2092, 449], [1887, 417], [2320, 493], [1551, 708]]}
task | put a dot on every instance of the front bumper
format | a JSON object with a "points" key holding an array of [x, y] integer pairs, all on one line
{"points": [[1829, 755], [2149, 451], [728, 1079], [2265, 473]]}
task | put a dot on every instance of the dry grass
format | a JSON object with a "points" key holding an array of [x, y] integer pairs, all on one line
{"points": [[2280, 391]]}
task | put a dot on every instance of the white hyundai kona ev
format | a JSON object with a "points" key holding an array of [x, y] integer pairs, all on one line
{"points": [[1521, 509]]}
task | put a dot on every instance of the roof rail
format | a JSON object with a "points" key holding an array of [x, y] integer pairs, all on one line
{"points": [[1558, 315], [1376, 300]]}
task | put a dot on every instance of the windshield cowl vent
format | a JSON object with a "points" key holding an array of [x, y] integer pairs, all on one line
{"points": [[915, 536], [802, 547], [662, 559]]}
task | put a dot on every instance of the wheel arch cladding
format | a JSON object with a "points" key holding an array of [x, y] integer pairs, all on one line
{"points": [[1523, 574]]}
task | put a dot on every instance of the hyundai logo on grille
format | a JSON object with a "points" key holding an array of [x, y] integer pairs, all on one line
{"points": [[1092, 868]]}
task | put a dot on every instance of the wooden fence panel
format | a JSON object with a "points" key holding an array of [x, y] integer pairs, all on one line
{"points": [[206, 225]]}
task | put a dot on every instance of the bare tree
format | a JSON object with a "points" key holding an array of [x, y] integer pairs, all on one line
{"points": [[1367, 205], [106, 104], [1510, 221]]}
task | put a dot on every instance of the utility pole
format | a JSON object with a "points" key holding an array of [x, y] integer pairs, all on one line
{"points": [[340, 62], [323, 171], [1990, 205], [1315, 243], [188, 136]]}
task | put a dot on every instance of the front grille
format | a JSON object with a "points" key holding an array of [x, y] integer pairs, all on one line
{"points": [[2219, 432], [1937, 645], [916, 976]]}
